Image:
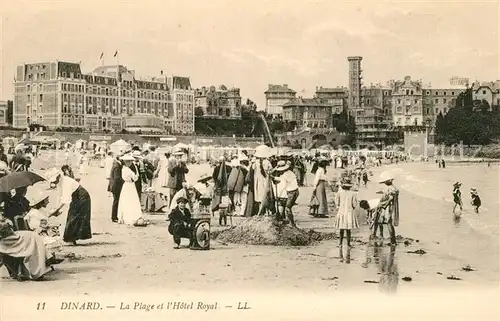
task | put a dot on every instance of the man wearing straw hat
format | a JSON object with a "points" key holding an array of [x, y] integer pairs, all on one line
{"points": [[115, 185]]}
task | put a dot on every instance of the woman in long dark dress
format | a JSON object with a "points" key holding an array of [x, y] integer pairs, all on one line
{"points": [[72, 194]]}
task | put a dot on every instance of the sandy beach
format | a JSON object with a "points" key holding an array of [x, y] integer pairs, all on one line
{"points": [[119, 258]]}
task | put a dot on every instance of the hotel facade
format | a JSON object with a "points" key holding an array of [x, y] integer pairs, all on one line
{"points": [[58, 95]]}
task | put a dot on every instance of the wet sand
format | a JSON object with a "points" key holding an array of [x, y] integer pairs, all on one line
{"points": [[120, 258]]}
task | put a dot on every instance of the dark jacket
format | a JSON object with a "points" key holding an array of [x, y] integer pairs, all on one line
{"points": [[115, 179], [136, 168], [221, 182], [177, 175], [176, 217]]}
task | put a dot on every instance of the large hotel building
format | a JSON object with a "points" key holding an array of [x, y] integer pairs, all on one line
{"points": [[58, 95]]}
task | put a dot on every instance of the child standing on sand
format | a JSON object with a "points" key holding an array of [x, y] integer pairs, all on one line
{"points": [[475, 200], [457, 196], [346, 219]]}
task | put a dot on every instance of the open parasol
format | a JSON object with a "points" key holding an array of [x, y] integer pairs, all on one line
{"points": [[19, 179]]}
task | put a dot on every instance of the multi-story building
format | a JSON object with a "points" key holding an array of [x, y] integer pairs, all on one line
{"points": [[438, 100], [373, 119], [3, 113], [308, 113], [355, 82], [407, 102], [276, 97], [489, 91], [337, 97], [218, 102], [57, 94], [183, 104]]}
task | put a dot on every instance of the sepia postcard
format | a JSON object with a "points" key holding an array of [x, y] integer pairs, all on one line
{"points": [[249, 160]]}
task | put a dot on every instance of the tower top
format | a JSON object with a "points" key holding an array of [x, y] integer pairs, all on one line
{"points": [[354, 58]]}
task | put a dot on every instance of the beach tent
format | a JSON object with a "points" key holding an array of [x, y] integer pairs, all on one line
{"points": [[119, 145], [181, 146]]}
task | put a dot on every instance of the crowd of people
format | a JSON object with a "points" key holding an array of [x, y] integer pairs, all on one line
{"points": [[247, 184]]}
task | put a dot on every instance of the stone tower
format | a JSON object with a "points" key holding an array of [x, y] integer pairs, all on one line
{"points": [[354, 82]]}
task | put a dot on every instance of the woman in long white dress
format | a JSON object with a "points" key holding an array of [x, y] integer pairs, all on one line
{"points": [[129, 207]]}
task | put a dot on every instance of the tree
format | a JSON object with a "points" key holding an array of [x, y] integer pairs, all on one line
{"points": [[198, 111], [440, 128]]}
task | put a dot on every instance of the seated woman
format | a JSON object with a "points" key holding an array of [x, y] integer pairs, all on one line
{"points": [[16, 207], [180, 222], [38, 220], [24, 254]]}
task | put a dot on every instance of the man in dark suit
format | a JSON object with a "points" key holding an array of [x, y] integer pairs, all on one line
{"points": [[180, 222], [115, 186]]}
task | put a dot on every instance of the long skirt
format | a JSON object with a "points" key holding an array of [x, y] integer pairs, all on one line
{"points": [[320, 193], [78, 221], [24, 254]]}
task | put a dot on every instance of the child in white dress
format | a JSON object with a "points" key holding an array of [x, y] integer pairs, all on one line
{"points": [[347, 202]]}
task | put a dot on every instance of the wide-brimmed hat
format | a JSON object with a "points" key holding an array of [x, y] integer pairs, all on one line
{"points": [[51, 174], [282, 166], [177, 152], [385, 177], [136, 154], [242, 157], [37, 199], [262, 151], [204, 178], [127, 157], [457, 184], [473, 191], [182, 199], [322, 159]]}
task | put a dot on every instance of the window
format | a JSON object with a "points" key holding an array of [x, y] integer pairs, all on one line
{"points": [[453, 93], [407, 92], [444, 100], [412, 92], [444, 93], [437, 111], [428, 110], [484, 92], [416, 101], [40, 87], [399, 101], [41, 98], [437, 93], [436, 101], [28, 89], [428, 92]]}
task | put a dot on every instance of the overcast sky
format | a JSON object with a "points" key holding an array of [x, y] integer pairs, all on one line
{"points": [[250, 44]]}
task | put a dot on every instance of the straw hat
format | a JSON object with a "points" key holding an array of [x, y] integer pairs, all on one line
{"points": [[457, 184], [322, 159], [204, 178], [127, 157], [473, 191], [51, 174], [37, 199], [282, 166], [386, 177], [136, 154], [182, 199], [262, 151]]}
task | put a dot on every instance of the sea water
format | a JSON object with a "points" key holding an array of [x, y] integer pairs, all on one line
{"points": [[427, 202]]}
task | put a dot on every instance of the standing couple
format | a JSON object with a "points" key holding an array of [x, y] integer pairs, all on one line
{"points": [[125, 183]]}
